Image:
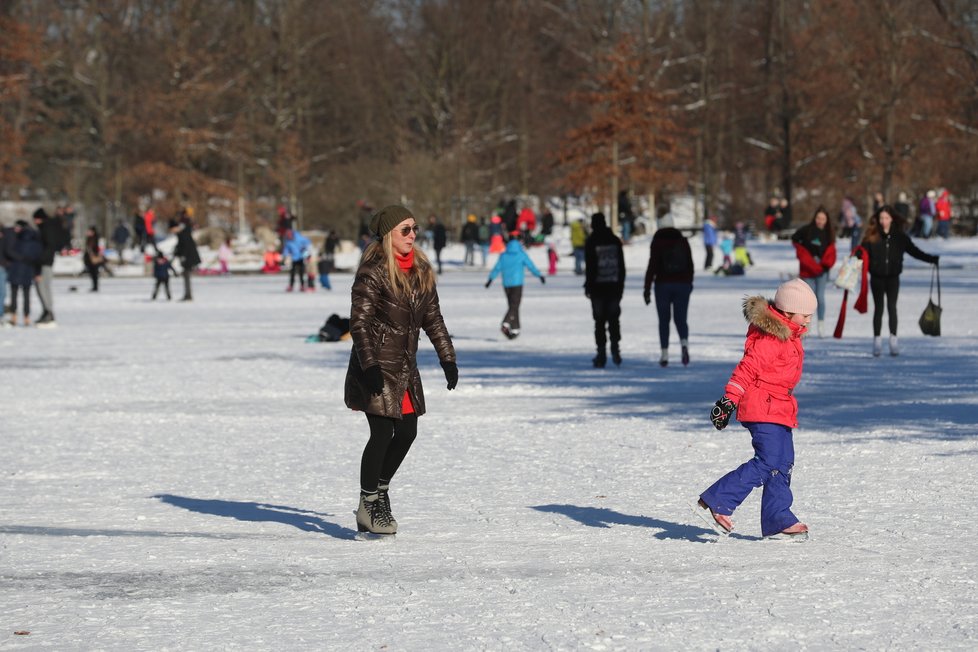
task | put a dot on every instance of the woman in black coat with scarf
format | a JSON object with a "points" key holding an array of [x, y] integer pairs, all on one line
{"points": [[885, 242], [394, 299]]}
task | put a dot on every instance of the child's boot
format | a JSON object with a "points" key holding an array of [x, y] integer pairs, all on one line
{"points": [[722, 520], [615, 354], [821, 328], [877, 346], [797, 532], [894, 346], [664, 358], [685, 352]]}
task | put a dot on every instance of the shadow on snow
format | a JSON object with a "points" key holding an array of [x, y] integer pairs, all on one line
{"points": [[258, 512], [602, 517]]}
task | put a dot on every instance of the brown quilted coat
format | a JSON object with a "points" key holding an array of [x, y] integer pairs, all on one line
{"points": [[385, 331]]}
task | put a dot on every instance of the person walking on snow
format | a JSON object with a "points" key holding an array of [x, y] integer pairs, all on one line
{"points": [[604, 285], [511, 264], [162, 268], [709, 239], [393, 299], [943, 215], [760, 390], [885, 242], [23, 251], [815, 248], [578, 236], [295, 248], [186, 251], [671, 270]]}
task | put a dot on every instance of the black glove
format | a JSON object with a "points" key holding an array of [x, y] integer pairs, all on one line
{"points": [[937, 260], [722, 409], [451, 374], [647, 295], [374, 380], [543, 280], [489, 282]]}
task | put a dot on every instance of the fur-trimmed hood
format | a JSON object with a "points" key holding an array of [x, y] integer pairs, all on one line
{"points": [[760, 313]]}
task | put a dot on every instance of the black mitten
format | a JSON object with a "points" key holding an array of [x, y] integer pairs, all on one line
{"points": [[489, 282], [451, 374], [543, 280], [374, 379], [647, 295], [722, 409]]}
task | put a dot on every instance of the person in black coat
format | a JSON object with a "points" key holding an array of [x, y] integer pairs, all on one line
{"points": [[886, 243], [604, 284], [23, 251], [92, 258], [52, 238], [671, 271], [439, 238], [186, 251]]}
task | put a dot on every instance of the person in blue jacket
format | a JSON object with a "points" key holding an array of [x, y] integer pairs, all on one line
{"points": [[295, 248], [511, 264], [709, 239]]}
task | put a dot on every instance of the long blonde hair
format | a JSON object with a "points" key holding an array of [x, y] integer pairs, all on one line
{"points": [[422, 278]]}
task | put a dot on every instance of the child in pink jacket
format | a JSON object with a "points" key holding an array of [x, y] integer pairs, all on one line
{"points": [[760, 390]]}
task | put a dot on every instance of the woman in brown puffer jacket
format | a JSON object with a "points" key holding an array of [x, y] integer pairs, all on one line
{"points": [[394, 298]]}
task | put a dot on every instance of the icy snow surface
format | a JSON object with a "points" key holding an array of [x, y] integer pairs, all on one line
{"points": [[183, 475]]}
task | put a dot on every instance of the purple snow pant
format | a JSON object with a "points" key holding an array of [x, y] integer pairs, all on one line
{"points": [[774, 457]]}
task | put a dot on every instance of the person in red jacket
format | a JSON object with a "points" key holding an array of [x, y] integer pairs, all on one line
{"points": [[760, 390], [815, 247], [943, 207]]}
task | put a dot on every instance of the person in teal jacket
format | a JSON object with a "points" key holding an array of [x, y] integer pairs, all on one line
{"points": [[511, 264]]}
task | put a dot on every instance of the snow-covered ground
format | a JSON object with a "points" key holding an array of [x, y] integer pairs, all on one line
{"points": [[182, 476]]}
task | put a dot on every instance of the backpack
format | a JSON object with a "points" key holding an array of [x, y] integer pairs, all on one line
{"points": [[334, 329]]}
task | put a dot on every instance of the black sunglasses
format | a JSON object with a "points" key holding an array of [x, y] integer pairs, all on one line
{"points": [[407, 229]]}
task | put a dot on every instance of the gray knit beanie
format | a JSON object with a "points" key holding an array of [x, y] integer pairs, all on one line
{"points": [[384, 220]]}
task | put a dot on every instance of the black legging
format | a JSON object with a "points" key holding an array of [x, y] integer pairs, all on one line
{"points": [[888, 286], [13, 299], [93, 274], [390, 440], [298, 267]]}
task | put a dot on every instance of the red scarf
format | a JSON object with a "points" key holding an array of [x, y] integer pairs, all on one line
{"points": [[406, 263]]}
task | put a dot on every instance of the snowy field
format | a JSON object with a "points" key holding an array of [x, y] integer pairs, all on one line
{"points": [[182, 476]]}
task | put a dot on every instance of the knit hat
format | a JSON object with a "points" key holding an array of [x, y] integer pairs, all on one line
{"points": [[384, 220], [598, 221], [795, 296]]}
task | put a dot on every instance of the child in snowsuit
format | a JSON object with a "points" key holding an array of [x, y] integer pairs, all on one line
{"points": [[511, 263], [161, 271], [760, 391], [551, 257]]}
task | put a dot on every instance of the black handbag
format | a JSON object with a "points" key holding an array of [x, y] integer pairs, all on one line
{"points": [[930, 321]]}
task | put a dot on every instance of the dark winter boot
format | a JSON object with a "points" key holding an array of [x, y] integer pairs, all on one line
{"points": [[371, 516], [383, 497], [600, 359], [615, 354]]}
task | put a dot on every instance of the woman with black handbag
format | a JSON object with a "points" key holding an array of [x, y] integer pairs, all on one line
{"points": [[886, 243]]}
